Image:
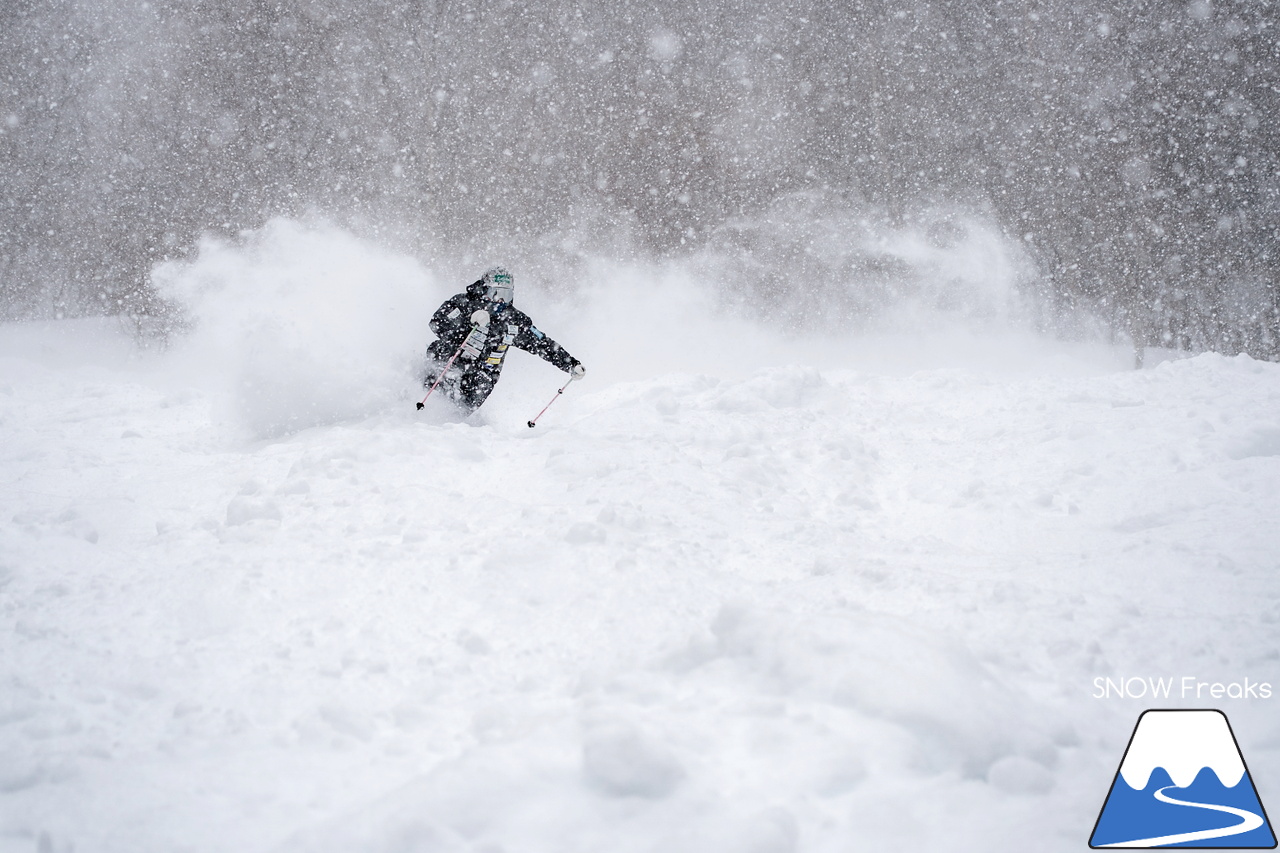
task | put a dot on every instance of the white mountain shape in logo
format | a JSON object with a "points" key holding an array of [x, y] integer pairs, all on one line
{"points": [[1183, 743]]}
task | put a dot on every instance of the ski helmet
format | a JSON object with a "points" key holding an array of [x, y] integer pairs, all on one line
{"points": [[499, 285]]}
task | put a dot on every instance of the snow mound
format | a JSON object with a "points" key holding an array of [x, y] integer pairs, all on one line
{"points": [[697, 749]]}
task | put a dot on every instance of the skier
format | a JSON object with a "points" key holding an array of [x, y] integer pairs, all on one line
{"points": [[475, 330]]}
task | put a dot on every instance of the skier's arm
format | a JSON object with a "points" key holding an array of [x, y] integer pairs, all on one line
{"points": [[533, 341], [451, 319]]}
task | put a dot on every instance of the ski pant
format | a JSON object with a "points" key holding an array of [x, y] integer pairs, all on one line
{"points": [[468, 387]]}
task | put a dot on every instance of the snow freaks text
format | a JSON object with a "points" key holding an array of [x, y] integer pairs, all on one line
{"points": [[1185, 687]]}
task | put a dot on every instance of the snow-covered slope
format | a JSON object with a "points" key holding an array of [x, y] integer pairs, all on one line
{"points": [[784, 605]]}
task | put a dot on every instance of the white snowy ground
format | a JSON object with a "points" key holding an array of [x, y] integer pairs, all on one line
{"points": [[810, 598]]}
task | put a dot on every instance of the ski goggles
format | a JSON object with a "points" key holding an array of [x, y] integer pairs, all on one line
{"points": [[501, 289]]}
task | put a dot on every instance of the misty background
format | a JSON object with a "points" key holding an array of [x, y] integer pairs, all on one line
{"points": [[1126, 153]]}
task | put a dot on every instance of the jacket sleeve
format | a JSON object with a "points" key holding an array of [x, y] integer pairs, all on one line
{"points": [[451, 321], [531, 340]]}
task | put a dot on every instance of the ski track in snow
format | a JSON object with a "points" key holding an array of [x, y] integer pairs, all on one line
{"points": [[806, 609]]}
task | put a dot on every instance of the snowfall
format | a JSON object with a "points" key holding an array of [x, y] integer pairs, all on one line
{"points": [[741, 589]]}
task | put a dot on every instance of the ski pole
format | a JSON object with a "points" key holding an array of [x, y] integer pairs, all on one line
{"points": [[423, 401], [533, 423]]}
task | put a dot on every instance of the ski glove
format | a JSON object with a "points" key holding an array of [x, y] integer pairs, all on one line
{"points": [[577, 371], [480, 318], [475, 341]]}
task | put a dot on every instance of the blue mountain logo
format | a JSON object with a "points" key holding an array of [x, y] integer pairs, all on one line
{"points": [[1183, 783]]}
